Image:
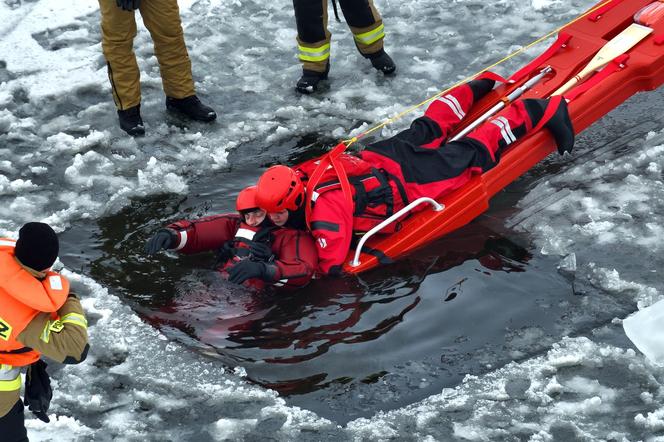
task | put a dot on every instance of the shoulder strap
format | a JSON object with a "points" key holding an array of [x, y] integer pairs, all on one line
{"points": [[328, 160]]}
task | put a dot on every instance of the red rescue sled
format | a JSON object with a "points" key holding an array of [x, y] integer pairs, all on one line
{"points": [[640, 69]]}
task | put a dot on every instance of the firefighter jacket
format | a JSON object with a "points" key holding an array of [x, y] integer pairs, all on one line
{"points": [[36, 318], [294, 251]]}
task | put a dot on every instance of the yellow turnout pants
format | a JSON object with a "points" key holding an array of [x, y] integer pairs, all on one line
{"points": [[118, 29]]}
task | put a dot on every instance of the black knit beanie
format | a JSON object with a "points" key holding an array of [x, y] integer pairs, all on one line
{"points": [[37, 246]]}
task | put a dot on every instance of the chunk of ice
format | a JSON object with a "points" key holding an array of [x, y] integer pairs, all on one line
{"points": [[645, 329]]}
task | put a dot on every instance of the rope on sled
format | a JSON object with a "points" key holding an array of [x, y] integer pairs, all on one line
{"points": [[352, 140]]}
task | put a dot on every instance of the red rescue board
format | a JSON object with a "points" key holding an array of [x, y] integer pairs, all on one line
{"points": [[642, 71]]}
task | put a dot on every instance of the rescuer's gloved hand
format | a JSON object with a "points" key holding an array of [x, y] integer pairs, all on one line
{"points": [[225, 252], [247, 269], [128, 5], [38, 392], [163, 239], [261, 251]]}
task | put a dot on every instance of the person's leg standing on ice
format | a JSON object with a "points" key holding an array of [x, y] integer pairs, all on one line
{"points": [[313, 38]]}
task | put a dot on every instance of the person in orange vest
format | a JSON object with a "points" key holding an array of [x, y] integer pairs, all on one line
{"points": [[118, 29], [38, 316]]}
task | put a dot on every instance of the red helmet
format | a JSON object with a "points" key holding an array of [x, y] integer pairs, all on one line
{"points": [[279, 188], [246, 199]]}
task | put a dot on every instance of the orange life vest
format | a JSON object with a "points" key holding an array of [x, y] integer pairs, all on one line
{"points": [[22, 297]]}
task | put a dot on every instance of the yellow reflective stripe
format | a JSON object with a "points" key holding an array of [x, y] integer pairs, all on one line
{"points": [[10, 378], [76, 319], [320, 53], [11, 385], [372, 36], [57, 325], [46, 333]]}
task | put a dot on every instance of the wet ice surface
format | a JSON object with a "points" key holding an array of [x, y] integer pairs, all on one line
{"points": [[63, 160]]}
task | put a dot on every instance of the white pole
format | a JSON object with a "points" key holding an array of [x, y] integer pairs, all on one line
{"points": [[436, 207], [511, 97]]}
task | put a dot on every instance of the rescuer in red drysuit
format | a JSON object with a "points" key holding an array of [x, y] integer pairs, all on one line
{"points": [[414, 163], [251, 249]]}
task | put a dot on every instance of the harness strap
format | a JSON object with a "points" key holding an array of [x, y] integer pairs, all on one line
{"points": [[492, 76], [17, 351], [312, 183], [595, 16], [561, 42], [380, 256], [382, 194], [614, 65], [361, 195], [400, 187]]}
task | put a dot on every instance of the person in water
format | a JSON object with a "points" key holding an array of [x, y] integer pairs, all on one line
{"points": [[252, 250], [417, 162]]}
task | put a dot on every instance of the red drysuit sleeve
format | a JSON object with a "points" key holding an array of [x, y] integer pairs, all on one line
{"points": [[207, 233], [332, 228], [297, 257]]}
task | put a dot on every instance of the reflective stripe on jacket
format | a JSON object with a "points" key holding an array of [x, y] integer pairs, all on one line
{"points": [[10, 378]]}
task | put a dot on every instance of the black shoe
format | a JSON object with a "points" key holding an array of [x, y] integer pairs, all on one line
{"points": [[481, 87], [192, 108], [382, 62], [559, 124], [308, 82], [131, 122]]}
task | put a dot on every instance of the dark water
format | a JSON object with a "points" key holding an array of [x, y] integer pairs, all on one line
{"points": [[344, 347], [348, 347]]}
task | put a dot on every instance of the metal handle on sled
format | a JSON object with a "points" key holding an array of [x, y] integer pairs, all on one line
{"points": [[437, 207]]}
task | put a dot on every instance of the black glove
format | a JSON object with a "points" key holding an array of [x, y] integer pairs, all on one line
{"points": [[247, 269], [163, 239], [38, 392], [225, 252], [128, 5], [261, 251]]}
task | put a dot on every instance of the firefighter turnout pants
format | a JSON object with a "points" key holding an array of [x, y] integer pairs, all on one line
{"points": [[118, 29], [313, 37], [12, 426]]}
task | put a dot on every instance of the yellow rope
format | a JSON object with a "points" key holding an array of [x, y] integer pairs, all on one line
{"points": [[350, 141]]}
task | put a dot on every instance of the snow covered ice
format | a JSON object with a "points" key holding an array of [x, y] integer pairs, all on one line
{"points": [[64, 161], [644, 329]]}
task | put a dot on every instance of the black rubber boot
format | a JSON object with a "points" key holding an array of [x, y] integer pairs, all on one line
{"points": [[382, 62], [559, 124], [481, 87], [131, 121], [192, 108], [308, 82]]}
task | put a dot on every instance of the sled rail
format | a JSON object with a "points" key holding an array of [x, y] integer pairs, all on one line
{"points": [[437, 207]]}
